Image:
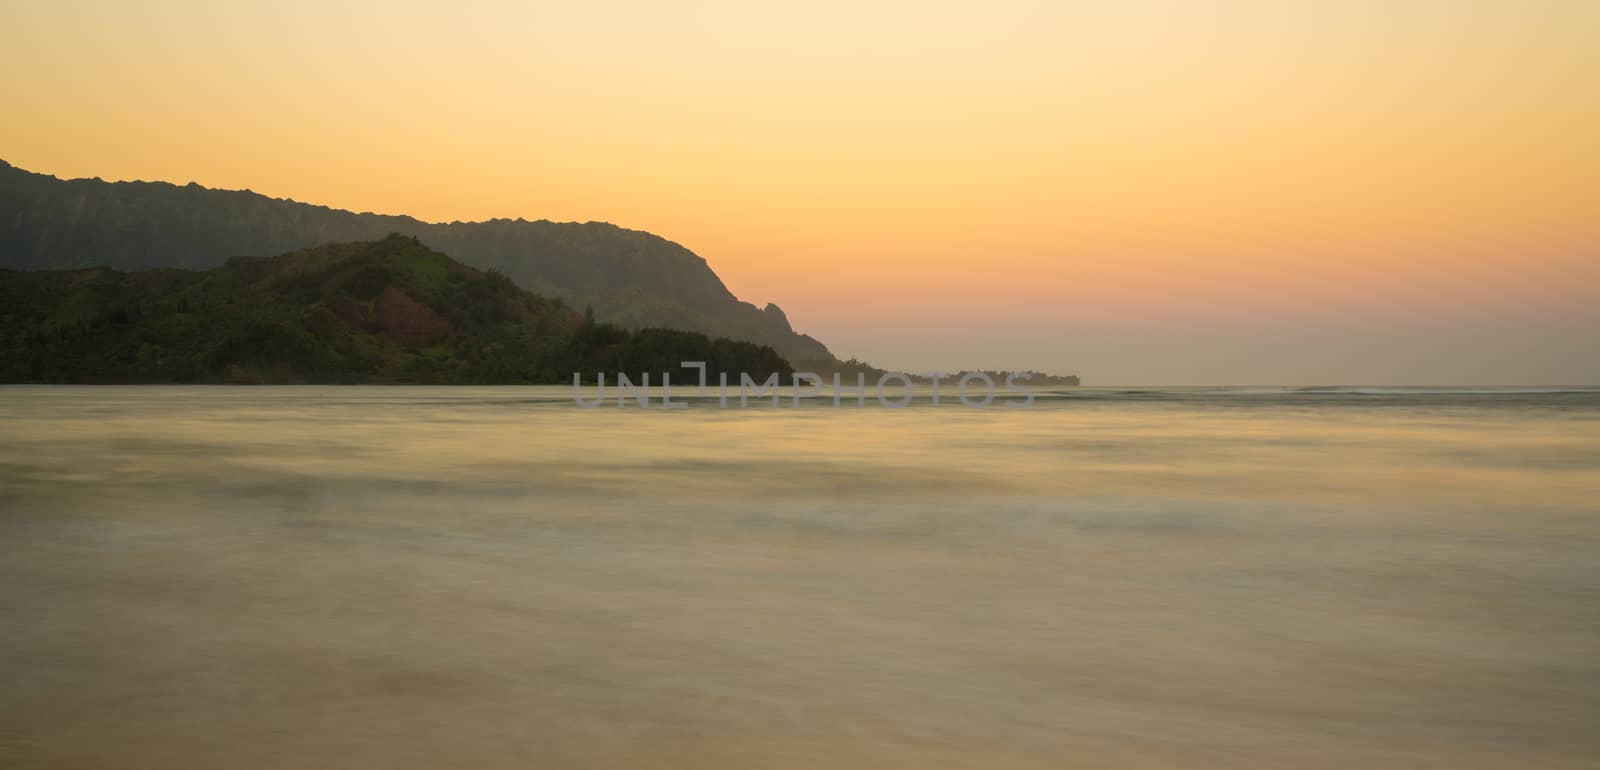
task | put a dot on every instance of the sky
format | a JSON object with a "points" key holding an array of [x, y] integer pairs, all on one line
{"points": [[1139, 192]]}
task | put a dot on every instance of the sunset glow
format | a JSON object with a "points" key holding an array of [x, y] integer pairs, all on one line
{"points": [[1137, 192]]}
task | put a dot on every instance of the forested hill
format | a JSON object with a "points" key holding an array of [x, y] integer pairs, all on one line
{"points": [[391, 310], [631, 278]]}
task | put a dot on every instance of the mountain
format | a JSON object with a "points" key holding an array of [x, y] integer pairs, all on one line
{"points": [[631, 278], [391, 310]]}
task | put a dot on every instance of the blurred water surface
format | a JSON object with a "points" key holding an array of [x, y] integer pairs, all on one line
{"points": [[493, 578]]}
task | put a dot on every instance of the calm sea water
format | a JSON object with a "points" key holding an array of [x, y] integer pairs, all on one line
{"points": [[493, 578]]}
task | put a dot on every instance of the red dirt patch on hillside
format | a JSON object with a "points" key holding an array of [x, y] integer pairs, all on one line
{"points": [[407, 321]]}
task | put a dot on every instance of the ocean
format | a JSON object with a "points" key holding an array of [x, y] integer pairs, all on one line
{"points": [[433, 577]]}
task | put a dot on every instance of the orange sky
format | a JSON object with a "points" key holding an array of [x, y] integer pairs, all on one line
{"points": [[1140, 192]]}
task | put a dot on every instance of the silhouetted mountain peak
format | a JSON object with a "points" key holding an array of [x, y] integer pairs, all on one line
{"points": [[776, 312], [632, 278]]}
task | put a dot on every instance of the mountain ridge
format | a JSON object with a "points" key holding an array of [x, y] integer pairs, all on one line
{"points": [[391, 310], [632, 278]]}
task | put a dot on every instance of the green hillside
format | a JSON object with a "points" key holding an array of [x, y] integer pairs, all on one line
{"points": [[391, 310], [631, 278]]}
